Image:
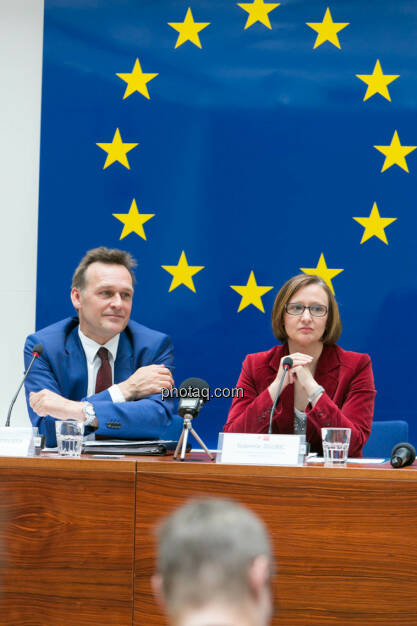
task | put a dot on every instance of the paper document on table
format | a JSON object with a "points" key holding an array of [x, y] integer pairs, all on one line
{"points": [[99, 443], [320, 459], [367, 461]]}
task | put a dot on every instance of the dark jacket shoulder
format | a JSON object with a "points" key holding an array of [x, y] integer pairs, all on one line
{"points": [[59, 332]]}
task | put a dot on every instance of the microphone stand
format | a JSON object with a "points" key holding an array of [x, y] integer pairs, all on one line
{"points": [[182, 443], [286, 367], [35, 356]]}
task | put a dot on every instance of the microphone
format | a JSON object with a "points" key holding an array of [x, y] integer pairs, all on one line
{"points": [[402, 454], [193, 392], [286, 364], [36, 352]]}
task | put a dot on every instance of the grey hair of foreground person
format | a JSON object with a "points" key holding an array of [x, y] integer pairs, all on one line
{"points": [[213, 551]]}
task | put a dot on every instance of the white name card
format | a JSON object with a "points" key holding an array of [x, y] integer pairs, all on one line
{"points": [[16, 441], [249, 448]]}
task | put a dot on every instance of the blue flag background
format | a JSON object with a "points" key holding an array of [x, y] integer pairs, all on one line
{"points": [[255, 152]]}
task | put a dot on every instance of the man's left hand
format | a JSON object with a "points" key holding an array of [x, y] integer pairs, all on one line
{"points": [[48, 402]]}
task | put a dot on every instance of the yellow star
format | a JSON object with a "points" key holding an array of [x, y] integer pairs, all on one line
{"points": [[251, 293], [182, 273], [117, 150], [188, 30], [136, 81], [374, 225], [258, 12], [395, 153], [327, 30], [133, 221], [323, 271], [377, 82]]}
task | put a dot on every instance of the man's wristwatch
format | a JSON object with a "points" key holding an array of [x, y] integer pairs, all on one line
{"points": [[89, 414]]}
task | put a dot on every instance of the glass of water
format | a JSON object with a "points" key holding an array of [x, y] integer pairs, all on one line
{"points": [[69, 436], [335, 445]]}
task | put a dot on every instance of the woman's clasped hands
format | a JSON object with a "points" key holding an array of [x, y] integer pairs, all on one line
{"points": [[299, 372]]}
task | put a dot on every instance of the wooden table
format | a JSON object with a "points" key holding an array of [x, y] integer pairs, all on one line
{"points": [[77, 538]]}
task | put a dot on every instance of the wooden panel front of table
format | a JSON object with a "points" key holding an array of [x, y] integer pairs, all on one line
{"points": [[66, 542], [345, 539], [77, 538]]}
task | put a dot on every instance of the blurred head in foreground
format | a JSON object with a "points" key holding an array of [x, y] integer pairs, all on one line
{"points": [[214, 565]]}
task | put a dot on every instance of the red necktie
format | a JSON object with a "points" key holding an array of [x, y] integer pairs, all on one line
{"points": [[104, 375]]}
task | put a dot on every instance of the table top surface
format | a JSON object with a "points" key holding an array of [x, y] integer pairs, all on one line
{"points": [[197, 462]]}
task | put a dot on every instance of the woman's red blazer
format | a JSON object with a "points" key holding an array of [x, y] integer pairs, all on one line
{"points": [[348, 400]]}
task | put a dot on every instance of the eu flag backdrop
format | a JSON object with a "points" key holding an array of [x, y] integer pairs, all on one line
{"points": [[228, 146]]}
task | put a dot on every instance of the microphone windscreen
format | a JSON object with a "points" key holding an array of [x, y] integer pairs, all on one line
{"points": [[198, 388], [38, 348], [287, 361], [408, 447]]}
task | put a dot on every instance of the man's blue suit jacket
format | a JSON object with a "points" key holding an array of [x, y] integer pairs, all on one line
{"points": [[62, 368]]}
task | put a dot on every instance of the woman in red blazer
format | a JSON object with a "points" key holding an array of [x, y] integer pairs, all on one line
{"points": [[326, 386]]}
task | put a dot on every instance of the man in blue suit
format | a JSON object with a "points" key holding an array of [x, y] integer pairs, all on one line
{"points": [[100, 368]]}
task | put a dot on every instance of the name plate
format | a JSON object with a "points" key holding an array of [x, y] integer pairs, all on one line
{"points": [[15, 441], [258, 449]]}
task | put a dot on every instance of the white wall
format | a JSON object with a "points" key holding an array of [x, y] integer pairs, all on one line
{"points": [[21, 35]]}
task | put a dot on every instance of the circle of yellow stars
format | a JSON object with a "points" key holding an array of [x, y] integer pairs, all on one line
{"points": [[189, 30]]}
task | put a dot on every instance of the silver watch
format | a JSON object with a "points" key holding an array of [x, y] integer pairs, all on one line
{"points": [[89, 413], [316, 393]]}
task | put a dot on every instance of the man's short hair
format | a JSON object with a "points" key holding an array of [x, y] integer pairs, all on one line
{"points": [[103, 255], [205, 550]]}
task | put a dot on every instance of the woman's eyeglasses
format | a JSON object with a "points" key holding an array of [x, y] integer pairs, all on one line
{"points": [[316, 310]]}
